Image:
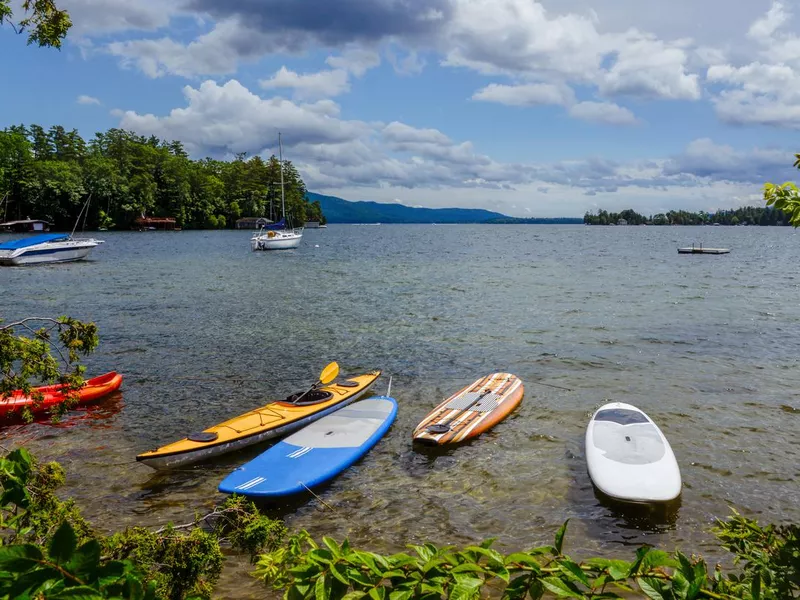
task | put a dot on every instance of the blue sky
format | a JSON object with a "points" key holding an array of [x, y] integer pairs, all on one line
{"points": [[546, 108]]}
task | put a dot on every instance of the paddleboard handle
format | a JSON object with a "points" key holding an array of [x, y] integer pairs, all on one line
{"points": [[445, 427]]}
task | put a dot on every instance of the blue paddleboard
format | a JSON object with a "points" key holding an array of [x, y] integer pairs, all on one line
{"points": [[316, 453]]}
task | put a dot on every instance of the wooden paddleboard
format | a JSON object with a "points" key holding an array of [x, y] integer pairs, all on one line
{"points": [[628, 457], [460, 417]]}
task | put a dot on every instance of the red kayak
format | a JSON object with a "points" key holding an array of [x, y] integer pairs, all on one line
{"points": [[93, 389]]}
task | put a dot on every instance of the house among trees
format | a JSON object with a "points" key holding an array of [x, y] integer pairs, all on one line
{"points": [[145, 223], [252, 222], [25, 226]]}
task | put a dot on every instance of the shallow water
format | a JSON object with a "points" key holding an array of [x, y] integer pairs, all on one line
{"points": [[204, 329]]}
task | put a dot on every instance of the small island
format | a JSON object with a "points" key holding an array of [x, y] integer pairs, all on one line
{"points": [[747, 215]]}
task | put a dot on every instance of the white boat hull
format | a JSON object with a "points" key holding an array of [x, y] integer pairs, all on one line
{"points": [[280, 240], [66, 251]]}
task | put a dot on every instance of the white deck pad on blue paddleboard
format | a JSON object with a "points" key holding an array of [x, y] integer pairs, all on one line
{"points": [[628, 457], [316, 453]]}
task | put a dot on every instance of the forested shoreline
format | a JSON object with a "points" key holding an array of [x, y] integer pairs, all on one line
{"points": [[747, 215], [50, 174]]}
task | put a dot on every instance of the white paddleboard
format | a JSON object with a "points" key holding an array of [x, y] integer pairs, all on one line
{"points": [[628, 457]]}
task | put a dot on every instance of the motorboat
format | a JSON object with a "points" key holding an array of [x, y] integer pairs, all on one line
{"points": [[46, 248]]}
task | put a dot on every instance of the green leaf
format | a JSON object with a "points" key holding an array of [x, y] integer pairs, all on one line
{"points": [[658, 558], [619, 569], [356, 595], [333, 546], [517, 588], [523, 558], [559, 542], [467, 568], [321, 589], [573, 571], [338, 575], [653, 588], [378, 593], [561, 588], [28, 584], [19, 557], [466, 587], [402, 592], [62, 545], [86, 559], [360, 577], [80, 592]]}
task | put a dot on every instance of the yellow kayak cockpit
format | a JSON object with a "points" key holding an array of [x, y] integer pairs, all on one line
{"points": [[270, 421]]}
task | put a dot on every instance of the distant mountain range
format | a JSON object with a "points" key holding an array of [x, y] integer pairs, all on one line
{"points": [[338, 210]]}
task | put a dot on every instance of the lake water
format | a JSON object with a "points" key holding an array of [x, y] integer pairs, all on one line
{"points": [[204, 329]]}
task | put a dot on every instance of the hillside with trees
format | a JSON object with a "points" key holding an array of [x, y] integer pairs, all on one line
{"points": [[49, 174], [748, 215]]}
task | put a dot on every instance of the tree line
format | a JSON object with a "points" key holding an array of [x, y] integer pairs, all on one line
{"points": [[748, 215], [50, 174]]}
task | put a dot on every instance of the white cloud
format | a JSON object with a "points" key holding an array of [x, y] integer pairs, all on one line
{"points": [[96, 17], [646, 67], [529, 94], [224, 119], [337, 154], [603, 112], [322, 84], [217, 52], [355, 60], [84, 99], [767, 25], [767, 91]]}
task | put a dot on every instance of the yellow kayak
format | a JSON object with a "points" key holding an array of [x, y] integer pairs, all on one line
{"points": [[270, 421]]}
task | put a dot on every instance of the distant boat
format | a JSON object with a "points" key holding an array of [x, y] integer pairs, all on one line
{"points": [[48, 247], [45, 248], [278, 236]]}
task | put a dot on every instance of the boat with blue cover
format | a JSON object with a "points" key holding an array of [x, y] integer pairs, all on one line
{"points": [[45, 248], [315, 454]]}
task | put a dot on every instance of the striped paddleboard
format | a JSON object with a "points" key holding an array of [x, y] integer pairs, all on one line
{"points": [[472, 410]]}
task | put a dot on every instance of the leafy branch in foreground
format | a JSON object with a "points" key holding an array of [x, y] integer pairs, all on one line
{"points": [[48, 350], [48, 550], [785, 197], [46, 24], [307, 571]]}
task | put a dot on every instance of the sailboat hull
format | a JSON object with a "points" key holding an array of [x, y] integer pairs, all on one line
{"points": [[276, 240]]}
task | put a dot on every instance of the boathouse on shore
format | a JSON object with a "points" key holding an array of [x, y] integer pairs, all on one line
{"points": [[252, 222], [145, 223], [25, 226]]}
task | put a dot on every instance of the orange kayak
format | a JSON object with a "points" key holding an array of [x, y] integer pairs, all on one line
{"points": [[93, 389], [471, 411]]}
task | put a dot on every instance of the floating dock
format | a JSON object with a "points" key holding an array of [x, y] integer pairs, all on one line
{"points": [[700, 250]]}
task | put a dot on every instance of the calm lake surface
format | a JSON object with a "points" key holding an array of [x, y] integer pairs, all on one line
{"points": [[204, 329]]}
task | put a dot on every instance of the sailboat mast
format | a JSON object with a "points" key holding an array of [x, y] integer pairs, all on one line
{"points": [[280, 162]]}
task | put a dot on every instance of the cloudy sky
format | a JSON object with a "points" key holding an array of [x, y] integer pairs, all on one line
{"points": [[546, 108]]}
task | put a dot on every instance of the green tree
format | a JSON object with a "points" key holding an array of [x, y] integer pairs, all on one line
{"points": [[45, 23]]}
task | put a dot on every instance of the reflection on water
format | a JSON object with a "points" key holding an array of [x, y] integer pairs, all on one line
{"points": [[204, 329]]}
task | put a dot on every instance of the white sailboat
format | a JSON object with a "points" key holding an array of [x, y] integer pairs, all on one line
{"points": [[277, 236]]}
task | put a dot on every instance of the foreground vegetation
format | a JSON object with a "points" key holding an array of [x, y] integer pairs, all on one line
{"points": [[748, 215], [50, 551], [49, 174]]}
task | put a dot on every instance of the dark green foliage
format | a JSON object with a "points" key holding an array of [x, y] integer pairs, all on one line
{"points": [[45, 23], [47, 350], [307, 571], [785, 197], [50, 174], [47, 549], [748, 215]]}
